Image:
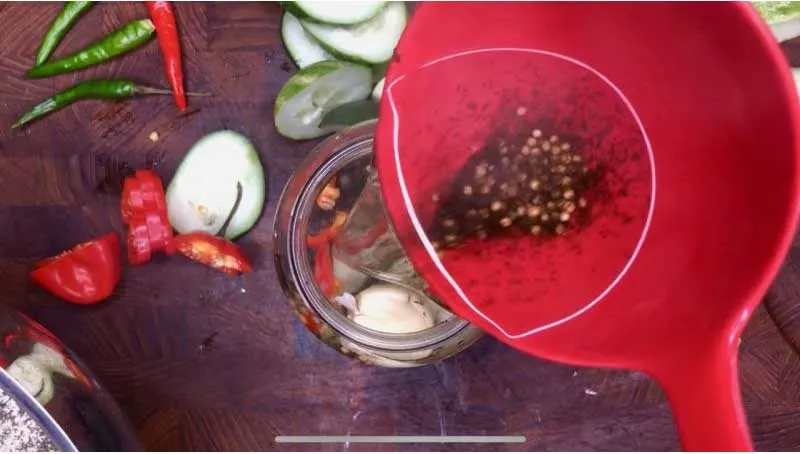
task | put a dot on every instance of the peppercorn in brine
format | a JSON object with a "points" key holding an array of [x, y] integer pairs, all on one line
{"points": [[534, 184]]}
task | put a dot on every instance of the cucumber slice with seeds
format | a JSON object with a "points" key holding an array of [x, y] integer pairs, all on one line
{"points": [[302, 48], [370, 42], [314, 91], [338, 13], [204, 189]]}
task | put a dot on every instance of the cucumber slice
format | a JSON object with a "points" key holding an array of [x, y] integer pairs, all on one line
{"points": [[350, 114], [777, 11], [314, 91], [204, 188], [370, 42], [301, 47], [377, 92], [338, 13], [783, 18]]}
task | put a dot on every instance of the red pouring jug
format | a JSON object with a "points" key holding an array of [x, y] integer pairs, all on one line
{"points": [[687, 115]]}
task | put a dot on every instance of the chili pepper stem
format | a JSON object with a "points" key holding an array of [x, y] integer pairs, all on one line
{"points": [[224, 228], [160, 91]]}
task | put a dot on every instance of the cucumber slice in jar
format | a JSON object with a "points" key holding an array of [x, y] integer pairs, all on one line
{"points": [[370, 42], [339, 13], [204, 189], [314, 91], [302, 48]]}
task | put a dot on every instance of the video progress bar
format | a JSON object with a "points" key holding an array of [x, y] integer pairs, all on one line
{"points": [[401, 439]]}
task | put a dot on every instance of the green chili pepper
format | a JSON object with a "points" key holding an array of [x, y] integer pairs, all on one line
{"points": [[120, 41], [91, 89], [68, 16]]}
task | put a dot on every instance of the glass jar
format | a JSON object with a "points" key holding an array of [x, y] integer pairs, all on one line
{"points": [[305, 211], [49, 401]]}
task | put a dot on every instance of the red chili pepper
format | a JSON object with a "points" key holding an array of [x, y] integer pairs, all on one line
{"points": [[86, 274], [323, 271], [214, 251], [328, 233], [163, 18]]}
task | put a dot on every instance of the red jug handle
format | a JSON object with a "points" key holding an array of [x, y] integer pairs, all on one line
{"points": [[703, 391]]}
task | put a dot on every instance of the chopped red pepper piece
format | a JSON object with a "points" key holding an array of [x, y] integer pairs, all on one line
{"points": [[86, 274], [144, 209], [143, 193], [214, 251], [139, 250], [161, 237]]}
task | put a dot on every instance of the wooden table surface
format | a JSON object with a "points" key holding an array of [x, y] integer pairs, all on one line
{"points": [[202, 361]]}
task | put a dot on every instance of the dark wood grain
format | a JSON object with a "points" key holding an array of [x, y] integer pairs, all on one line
{"points": [[202, 361]]}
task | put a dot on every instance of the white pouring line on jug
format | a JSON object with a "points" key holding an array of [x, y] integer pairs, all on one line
{"points": [[421, 232]]}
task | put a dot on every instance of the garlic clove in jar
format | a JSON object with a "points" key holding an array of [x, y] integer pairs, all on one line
{"points": [[392, 309], [34, 378], [50, 359]]}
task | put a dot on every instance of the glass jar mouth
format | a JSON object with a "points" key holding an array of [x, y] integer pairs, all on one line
{"points": [[329, 158]]}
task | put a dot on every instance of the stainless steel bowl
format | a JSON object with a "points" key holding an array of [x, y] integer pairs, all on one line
{"points": [[48, 400]]}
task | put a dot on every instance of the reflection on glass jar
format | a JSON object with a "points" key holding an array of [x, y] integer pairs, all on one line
{"points": [[343, 270], [48, 400]]}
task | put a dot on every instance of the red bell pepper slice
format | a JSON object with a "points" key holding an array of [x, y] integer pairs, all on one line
{"points": [[144, 209], [138, 242], [213, 251], [161, 237], [86, 274], [149, 233]]}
